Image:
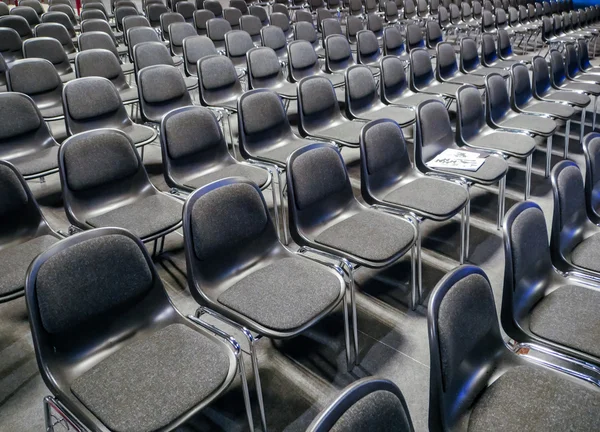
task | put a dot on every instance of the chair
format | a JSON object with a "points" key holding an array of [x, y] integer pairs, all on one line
{"points": [[232, 16], [196, 48], [422, 78], [251, 25], [60, 33], [133, 21], [363, 103], [38, 79], [282, 21], [139, 35], [166, 19], [260, 13], [155, 53], [303, 16], [177, 33], [303, 61], [322, 15], [264, 71], [274, 38], [28, 13], [367, 404], [393, 43], [338, 54], [186, 9], [280, 8], [94, 103], [25, 232], [216, 29], [489, 55], [131, 317], [434, 135], [414, 40], [389, 180], [368, 52], [92, 14], [97, 6], [319, 115], [104, 184], [50, 49], [252, 247], [201, 17], [446, 69], [92, 40], [62, 18], [331, 26], [17, 23], [97, 25], [306, 31], [375, 24], [469, 62], [498, 115], [497, 378], [239, 5], [433, 34], [11, 45], [4, 9], [122, 12], [505, 51], [153, 13], [539, 305], [25, 139], [215, 7], [156, 99]]}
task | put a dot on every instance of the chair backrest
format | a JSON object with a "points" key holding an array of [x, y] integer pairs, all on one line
{"points": [[98, 25], [330, 26], [50, 49], [262, 121], [393, 42], [414, 37], [520, 85], [584, 57], [237, 44], [153, 13], [216, 29], [557, 67], [461, 304], [368, 51], [477, 9], [122, 12], [421, 70], [36, 78], [443, 17], [186, 9], [501, 18], [410, 10], [201, 17], [446, 65], [28, 13], [92, 14], [353, 26], [17, 23], [280, 8], [306, 31], [504, 46], [97, 40], [433, 34], [571, 60], [100, 63], [240, 5], [177, 33], [488, 49], [391, 12], [322, 14], [251, 25], [367, 404], [361, 90], [138, 35], [433, 132], [232, 16], [273, 37], [214, 6], [470, 113], [166, 20], [194, 49], [4, 9], [303, 16], [375, 24], [11, 45], [58, 32], [133, 21], [60, 18], [282, 21], [392, 83], [317, 103], [302, 60], [338, 54], [161, 88], [217, 80], [264, 69], [498, 99], [260, 13], [149, 54]]}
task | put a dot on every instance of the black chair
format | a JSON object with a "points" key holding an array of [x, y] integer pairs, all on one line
{"points": [[35, 5], [92, 14], [153, 13], [98, 25], [415, 40], [63, 14], [215, 7], [122, 12], [264, 71], [216, 29], [38, 79], [101, 40], [303, 61], [232, 16], [28, 13], [166, 19], [363, 103], [574, 237], [261, 13], [505, 51], [139, 35], [422, 77], [60, 33], [233, 272], [156, 98], [237, 44], [306, 31], [186, 9], [469, 62], [25, 232], [251, 25], [50, 49], [11, 45], [94, 103], [17, 23], [118, 313], [155, 53], [201, 17], [196, 48], [539, 305], [368, 52], [282, 21], [367, 404], [133, 21], [472, 131], [177, 33], [104, 184], [476, 380], [389, 180], [447, 70], [240, 5], [273, 37], [499, 115], [434, 135], [489, 55]]}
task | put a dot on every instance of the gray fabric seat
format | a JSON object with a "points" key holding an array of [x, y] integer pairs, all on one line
{"points": [[538, 125], [517, 144], [559, 110], [256, 175], [348, 132], [492, 169], [122, 389], [534, 399], [547, 319], [265, 296], [42, 160], [430, 196], [15, 260], [587, 253], [569, 97], [370, 235], [145, 217], [400, 115]]}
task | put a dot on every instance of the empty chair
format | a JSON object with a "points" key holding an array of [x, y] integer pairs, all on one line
{"points": [[260, 13], [472, 131], [28, 13], [415, 40], [194, 152], [273, 37], [367, 404], [139, 35], [338, 54], [61, 18], [157, 99], [50, 49], [196, 48], [319, 114], [133, 21], [100, 40], [17, 23], [363, 103], [322, 15], [239, 5], [497, 378], [489, 55], [434, 135], [264, 71], [237, 44], [584, 60], [573, 70], [391, 12], [166, 19], [177, 33], [393, 43], [232, 16], [4, 9], [505, 51], [280, 8], [201, 17], [423, 78], [25, 232], [122, 12], [94, 103], [92, 14], [251, 25], [38, 79], [303, 16], [136, 318], [306, 31], [153, 13], [283, 22], [499, 115], [97, 25], [98, 6], [11, 45], [303, 61], [25, 139], [388, 179], [186, 9], [117, 195], [469, 62], [433, 34], [58, 32], [447, 69], [154, 53], [215, 7], [216, 29], [367, 49], [535, 308]]}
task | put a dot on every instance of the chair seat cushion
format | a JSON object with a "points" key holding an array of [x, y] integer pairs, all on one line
{"points": [[567, 96], [511, 143], [402, 116], [587, 253], [483, 71], [535, 399], [15, 260], [502, 64], [569, 316], [588, 77], [144, 218], [476, 80], [439, 198], [41, 161], [152, 381], [550, 108], [347, 132], [370, 235], [284, 295], [140, 134], [535, 124], [257, 175], [492, 170], [593, 89], [445, 89], [415, 99]]}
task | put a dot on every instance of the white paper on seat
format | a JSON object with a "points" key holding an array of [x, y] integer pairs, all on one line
{"points": [[457, 159]]}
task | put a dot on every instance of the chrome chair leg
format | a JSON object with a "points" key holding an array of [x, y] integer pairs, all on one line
{"points": [[284, 225], [548, 156], [349, 364], [567, 138], [350, 272], [528, 163], [261, 404], [501, 200], [463, 233], [594, 113], [581, 125], [246, 392]]}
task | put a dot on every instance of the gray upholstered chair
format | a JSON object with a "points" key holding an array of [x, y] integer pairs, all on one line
{"points": [[177, 33], [273, 37], [264, 71], [216, 29], [303, 61], [196, 48], [201, 17], [237, 44], [422, 77], [251, 25], [11, 45], [306, 31], [60, 33], [50, 49], [166, 19], [98, 25], [100, 40], [155, 53]]}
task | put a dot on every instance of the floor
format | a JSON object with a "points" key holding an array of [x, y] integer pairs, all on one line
{"points": [[299, 376]]}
